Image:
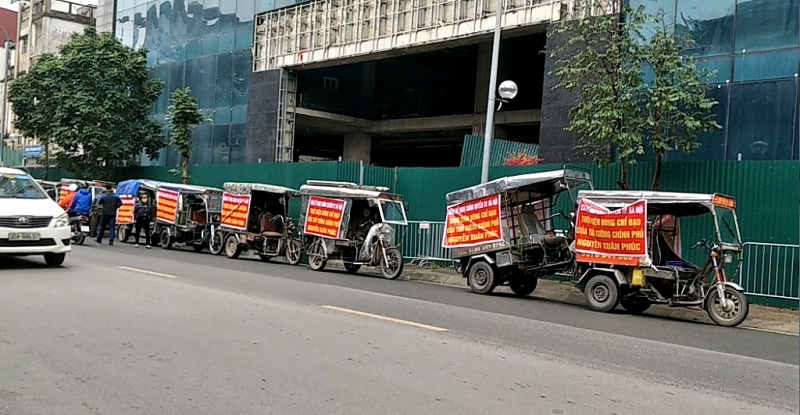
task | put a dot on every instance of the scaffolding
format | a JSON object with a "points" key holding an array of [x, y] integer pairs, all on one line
{"points": [[287, 102]]}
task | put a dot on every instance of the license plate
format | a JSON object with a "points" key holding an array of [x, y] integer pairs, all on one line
{"points": [[84, 228], [23, 236]]}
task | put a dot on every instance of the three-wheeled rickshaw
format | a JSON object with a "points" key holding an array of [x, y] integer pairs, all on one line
{"points": [[351, 223], [628, 252], [186, 215], [255, 217], [503, 232], [128, 191]]}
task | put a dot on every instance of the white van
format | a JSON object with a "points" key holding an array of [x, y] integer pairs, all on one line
{"points": [[30, 222]]}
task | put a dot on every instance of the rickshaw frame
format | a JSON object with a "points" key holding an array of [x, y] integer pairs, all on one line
{"points": [[170, 234], [246, 240], [133, 188], [492, 264], [380, 235]]}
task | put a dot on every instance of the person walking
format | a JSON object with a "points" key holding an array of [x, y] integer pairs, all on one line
{"points": [[143, 216], [110, 203]]}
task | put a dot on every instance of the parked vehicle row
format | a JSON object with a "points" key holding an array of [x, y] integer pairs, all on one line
{"points": [[618, 247]]}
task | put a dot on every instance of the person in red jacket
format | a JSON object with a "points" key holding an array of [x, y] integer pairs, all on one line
{"points": [[67, 201]]}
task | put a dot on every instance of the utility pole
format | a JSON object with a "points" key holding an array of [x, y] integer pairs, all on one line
{"points": [[4, 104], [490, 104]]}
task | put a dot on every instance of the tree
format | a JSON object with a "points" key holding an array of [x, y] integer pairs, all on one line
{"points": [[603, 61], [677, 107], [92, 102], [182, 115], [598, 61]]}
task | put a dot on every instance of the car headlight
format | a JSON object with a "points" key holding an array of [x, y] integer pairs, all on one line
{"points": [[62, 221]]}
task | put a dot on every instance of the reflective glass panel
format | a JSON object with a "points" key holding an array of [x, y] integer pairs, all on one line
{"points": [[223, 86], [765, 65], [761, 120], [766, 25], [237, 143], [710, 24], [220, 144], [712, 144], [722, 66]]}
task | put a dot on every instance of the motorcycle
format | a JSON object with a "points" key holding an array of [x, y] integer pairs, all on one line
{"points": [[80, 229]]}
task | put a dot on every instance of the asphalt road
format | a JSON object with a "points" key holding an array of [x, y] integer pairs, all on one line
{"points": [[243, 337]]}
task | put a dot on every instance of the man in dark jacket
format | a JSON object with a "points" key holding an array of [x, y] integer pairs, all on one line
{"points": [[142, 214], [110, 203]]}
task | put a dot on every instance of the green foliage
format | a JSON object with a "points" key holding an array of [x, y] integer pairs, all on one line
{"points": [[182, 115], [602, 61], [92, 102]]}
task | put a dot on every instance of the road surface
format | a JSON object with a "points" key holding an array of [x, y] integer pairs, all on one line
{"points": [[125, 331]]}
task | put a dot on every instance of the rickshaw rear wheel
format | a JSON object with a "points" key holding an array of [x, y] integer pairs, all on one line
{"points": [[123, 233], [294, 251], [524, 286], [166, 239], [602, 293], [735, 314], [198, 247], [265, 258], [316, 256], [635, 305], [232, 247], [392, 264], [352, 268], [481, 278], [215, 244]]}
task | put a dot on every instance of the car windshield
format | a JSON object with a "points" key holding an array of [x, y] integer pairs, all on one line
{"points": [[393, 212], [726, 222], [22, 186]]}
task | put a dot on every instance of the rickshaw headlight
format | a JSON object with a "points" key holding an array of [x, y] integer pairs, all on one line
{"points": [[728, 258]]}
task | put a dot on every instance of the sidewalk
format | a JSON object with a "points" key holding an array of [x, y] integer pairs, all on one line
{"points": [[760, 318]]}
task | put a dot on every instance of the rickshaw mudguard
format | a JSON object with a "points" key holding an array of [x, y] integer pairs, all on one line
{"points": [[734, 285], [615, 273], [475, 258]]}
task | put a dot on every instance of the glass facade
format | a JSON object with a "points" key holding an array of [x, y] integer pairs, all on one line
{"points": [[754, 46], [204, 45]]}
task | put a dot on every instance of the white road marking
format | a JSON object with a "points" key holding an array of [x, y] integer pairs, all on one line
{"points": [[384, 318], [144, 271]]}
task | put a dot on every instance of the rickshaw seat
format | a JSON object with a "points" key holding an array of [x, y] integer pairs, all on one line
{"points": [[271, 234], [530, 225]]}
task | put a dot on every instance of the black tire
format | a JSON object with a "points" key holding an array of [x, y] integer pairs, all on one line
{"points": [[166, 240], [635, 305], [481, 278], [294, 252], [316, 256], [198, 248], [232, 247], [216, 243], [351, 268], [392, 264], [602, 293], [79, 239], [265, 258], [736, 313], [54, 260], [123, 234], [524, 286]]}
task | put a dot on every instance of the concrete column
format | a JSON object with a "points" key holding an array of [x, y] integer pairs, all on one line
{"points": [[357, 147]]}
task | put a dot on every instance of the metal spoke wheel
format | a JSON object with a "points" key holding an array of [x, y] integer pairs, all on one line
{"points": [[317, 259], [735, 311], [392, 264], [215, 243], [602, 293], [481, 278], [294, 252]]}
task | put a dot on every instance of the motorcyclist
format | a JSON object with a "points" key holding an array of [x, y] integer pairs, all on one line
{"points": [[66, 202], [82, 203]]}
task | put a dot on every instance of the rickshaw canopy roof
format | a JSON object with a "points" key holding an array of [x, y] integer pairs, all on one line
{"points": [[346, 190], [245, 189], [188, 188], [504, 184], [131, 187], [661, 203], [66, 180]]}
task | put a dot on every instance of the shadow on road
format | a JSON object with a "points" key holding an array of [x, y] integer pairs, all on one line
{"points": [[20, 263]]}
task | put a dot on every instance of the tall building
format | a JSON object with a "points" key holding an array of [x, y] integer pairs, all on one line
{"points": [[400, 82]]}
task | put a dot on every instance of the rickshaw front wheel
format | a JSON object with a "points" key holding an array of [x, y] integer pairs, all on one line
{"points": [[736, 311], [391, 264], [215, 243], [524, 286], [166, 239], [602, 293], [316, 256], [481, 278], [294, 251], [232, 247]]}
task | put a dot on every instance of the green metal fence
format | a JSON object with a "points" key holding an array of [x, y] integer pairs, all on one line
{"points": [[472, 152]]}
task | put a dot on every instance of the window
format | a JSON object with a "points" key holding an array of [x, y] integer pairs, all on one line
{"points": [[330, 83], [712, 145], [762, 120], [766, 25], [14, 186], [769, 65], [710, 24], [392, 212], [722, 66]]}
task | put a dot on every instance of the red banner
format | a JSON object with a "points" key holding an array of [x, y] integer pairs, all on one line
{"points": [[166, 206], [235, 210], [125, 212], [471, 223], [611, 237], [324, 217]]}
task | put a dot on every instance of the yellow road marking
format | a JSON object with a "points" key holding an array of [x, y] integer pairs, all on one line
{"points": [[144, 271], [384, 318]]}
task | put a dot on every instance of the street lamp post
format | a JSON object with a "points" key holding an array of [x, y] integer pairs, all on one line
{"points": [[490, 104], [4, 104]]}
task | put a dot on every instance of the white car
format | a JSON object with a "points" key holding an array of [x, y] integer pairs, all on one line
{"points": [[30, 222]]}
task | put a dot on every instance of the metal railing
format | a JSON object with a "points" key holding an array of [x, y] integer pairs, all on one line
{"points": [[771, 270], [768, 270]]}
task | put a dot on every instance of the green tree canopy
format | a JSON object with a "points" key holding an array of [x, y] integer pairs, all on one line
{"points": [[182, 115], [92, 102]]}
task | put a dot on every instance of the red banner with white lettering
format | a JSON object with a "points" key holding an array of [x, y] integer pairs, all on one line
{"points": [[166, 206], [235, 209], [125, 212], [611, 237], [324, 217], [474, 222]]}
